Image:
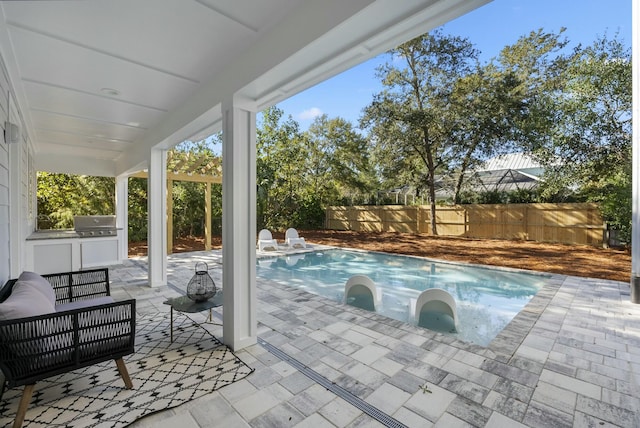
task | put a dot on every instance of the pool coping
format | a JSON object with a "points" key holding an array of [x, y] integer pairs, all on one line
{"points": [[506, 342]]}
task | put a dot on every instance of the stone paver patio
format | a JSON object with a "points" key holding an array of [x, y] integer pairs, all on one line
{"points": [[570, 358]]}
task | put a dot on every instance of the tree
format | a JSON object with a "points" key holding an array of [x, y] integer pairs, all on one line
{"points": [[338, 160], [509, 103], [281, 154], [300, 173], [591, 132], [412, 122], [488, 104], [538, 62]]}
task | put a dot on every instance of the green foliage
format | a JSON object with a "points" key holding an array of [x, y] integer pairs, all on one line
{"points": [[338, 161], [589, 144], [216, 209], [280, 174], [188, 209], [518, 196], [613, 193], [62, 196], [137, 209], [493, 197], [489, 104], [594, 126], [310, 214], [523, 196], [501, 106], [300, 173]]}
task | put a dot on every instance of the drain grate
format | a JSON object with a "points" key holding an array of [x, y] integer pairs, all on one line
{"points": [[367, 408]]}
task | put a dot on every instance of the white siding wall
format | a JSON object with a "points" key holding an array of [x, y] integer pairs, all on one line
{"points": [[17, 203], [4, 188]]}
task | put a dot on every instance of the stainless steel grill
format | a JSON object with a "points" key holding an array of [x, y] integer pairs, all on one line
{"points": [[95, 225]]}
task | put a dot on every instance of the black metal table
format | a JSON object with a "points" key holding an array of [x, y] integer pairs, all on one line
{"points": [[185, 304]]}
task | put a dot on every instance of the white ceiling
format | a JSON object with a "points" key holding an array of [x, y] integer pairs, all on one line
{"points": [[171, 63]]}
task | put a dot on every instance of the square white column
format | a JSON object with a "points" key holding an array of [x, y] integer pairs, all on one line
{"points": [[122, 216], [239, 224], [18, 217], [157, 217]]}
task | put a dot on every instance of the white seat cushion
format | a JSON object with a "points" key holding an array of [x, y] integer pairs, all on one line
{"points": [[81, 304]]}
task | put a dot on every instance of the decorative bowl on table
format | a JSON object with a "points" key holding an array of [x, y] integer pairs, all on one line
{"points": [[201, 286]]}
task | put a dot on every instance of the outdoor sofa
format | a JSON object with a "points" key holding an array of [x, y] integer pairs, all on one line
{"points": [[56, 323]]}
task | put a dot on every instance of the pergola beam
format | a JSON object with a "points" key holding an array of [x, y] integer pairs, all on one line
{"points": [[182, 176], [199, 163], [208, 180]]}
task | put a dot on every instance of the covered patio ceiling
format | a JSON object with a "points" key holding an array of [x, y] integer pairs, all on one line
{"points": [[100, 83]]}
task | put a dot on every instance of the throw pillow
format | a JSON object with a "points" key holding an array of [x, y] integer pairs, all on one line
{"points": [[25, 302], [32, 279]]}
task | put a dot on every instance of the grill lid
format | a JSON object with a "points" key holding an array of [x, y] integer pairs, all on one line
{"points": [[94, 222]]}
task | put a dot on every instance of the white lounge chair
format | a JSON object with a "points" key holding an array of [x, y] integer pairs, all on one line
{"points": [[361, 291], [293, 240], [266, 241], [434, 301]]}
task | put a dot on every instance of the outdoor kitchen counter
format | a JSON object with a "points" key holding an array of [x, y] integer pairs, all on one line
{"points": [[53, 234], [50, 251]]}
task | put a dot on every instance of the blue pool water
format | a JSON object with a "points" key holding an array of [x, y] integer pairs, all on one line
{"points": [[487, 299]]}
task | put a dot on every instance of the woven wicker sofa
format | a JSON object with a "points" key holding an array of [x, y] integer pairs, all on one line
{"points": [[84, 327]]}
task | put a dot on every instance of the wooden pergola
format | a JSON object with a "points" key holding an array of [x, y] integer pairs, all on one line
{"points": [[198, 168]]}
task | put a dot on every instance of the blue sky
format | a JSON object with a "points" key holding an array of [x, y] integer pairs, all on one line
{"points": [[489, 28]]}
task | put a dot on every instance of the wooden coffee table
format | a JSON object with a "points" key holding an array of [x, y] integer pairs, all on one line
{"points": [[185, 304]]}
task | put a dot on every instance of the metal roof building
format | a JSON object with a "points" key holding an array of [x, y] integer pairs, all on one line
{"points": [[514, 171]]}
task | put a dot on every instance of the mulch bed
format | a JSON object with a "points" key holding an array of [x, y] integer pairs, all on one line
{"points": [[576, 260]]}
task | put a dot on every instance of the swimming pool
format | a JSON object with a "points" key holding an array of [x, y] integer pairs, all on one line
{"points": [[487, 299]]}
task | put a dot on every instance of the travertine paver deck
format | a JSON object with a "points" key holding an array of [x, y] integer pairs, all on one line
{"points": [[570, 358]]}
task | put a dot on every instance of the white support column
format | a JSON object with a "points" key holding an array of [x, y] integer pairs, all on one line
{"points": [[157, 217], [122, 216], [635, 144], [239, 224], [16, 207]]}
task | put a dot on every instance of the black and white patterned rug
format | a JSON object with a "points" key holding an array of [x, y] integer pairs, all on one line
{"points": [[164, 375]]}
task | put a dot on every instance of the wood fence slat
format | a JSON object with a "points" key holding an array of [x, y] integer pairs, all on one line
{"points": [[566, 223]]}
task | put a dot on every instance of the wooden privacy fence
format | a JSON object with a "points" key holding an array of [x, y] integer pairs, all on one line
{"points": [[564, 223]]}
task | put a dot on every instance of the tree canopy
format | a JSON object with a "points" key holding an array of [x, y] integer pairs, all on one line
{"points": [[589, 144], [300, 173]]}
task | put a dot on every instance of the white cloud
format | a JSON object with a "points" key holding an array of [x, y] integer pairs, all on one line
{"points": [[311, 113]]}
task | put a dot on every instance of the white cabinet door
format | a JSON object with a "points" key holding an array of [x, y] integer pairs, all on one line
{"points": [[99, 252], [53, 257]]}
